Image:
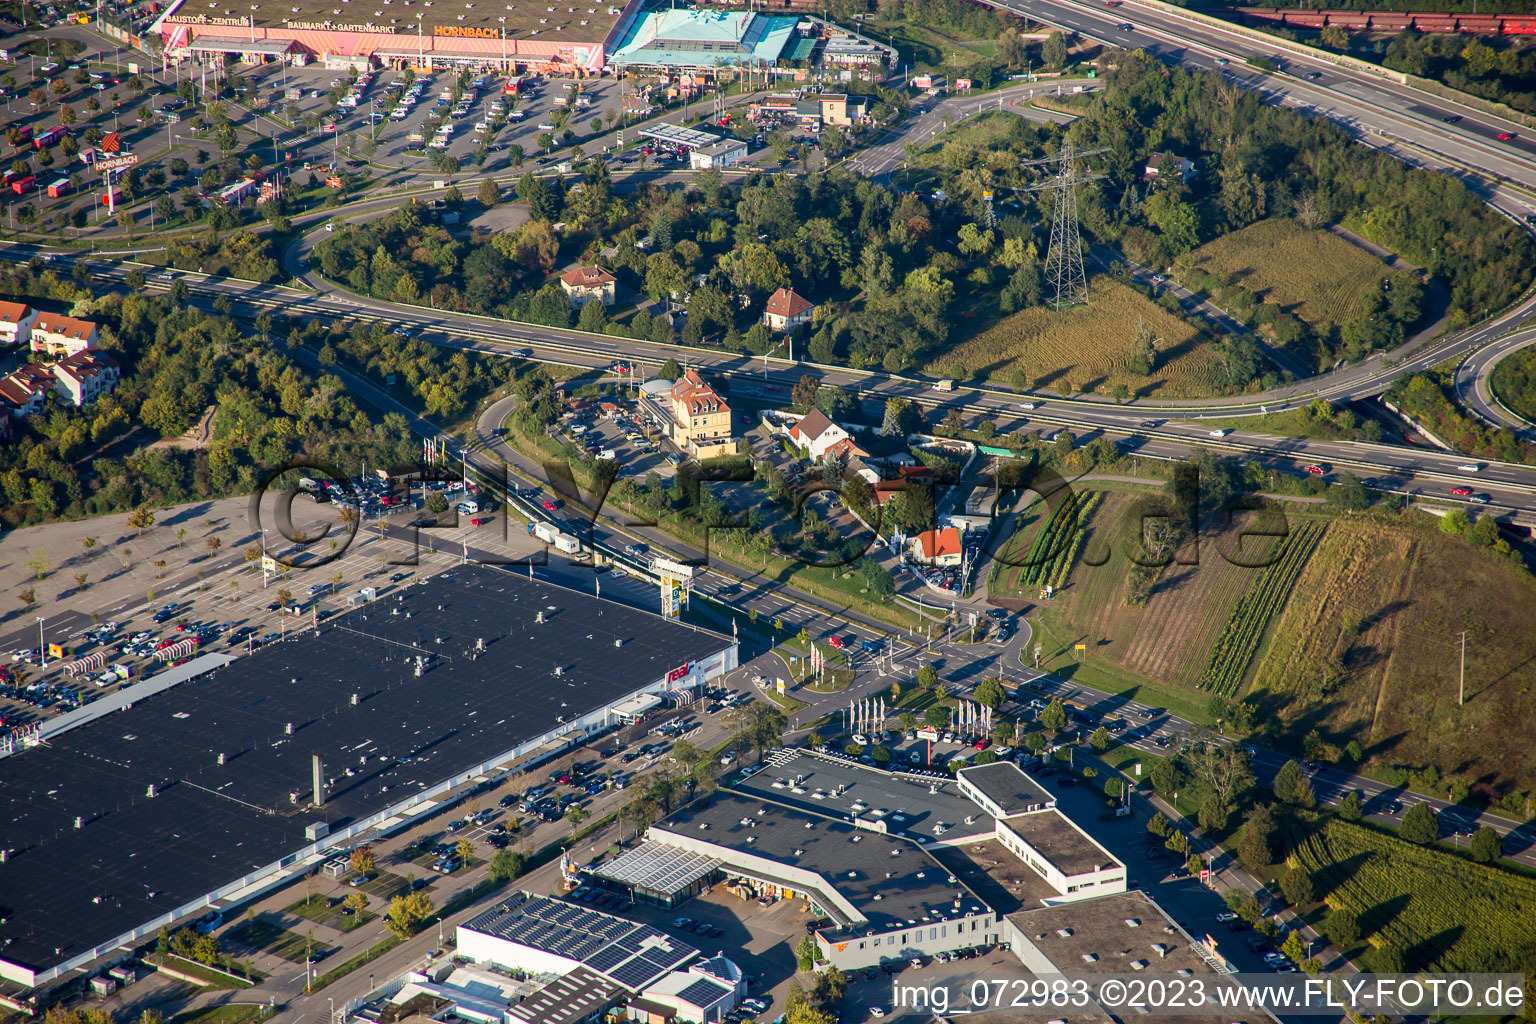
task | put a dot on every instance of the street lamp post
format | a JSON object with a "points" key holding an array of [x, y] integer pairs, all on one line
{"points": [[42, 647]]}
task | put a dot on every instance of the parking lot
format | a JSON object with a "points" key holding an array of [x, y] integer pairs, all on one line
{"points": [[406, 121]]}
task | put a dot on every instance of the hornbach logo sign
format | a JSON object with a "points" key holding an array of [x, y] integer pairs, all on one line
{"points": [[458, 32]]}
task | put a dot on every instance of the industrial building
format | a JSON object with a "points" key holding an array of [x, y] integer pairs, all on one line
{"points": [[861, 845], [584, 962], [162, 803]]}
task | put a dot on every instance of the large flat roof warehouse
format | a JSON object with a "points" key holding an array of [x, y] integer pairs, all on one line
{"points": [[547, 36], [152, 812], [889, 881], [908, 804]]}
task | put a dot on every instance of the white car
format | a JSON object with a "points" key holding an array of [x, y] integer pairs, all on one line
{"points": [[877, 1011], [1471, 467], [1226, 915], [1221, 432]]}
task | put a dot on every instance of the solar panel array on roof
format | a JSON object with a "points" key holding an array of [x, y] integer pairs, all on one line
{"points": [[633, 955], [633, 975], [658, 868], [704, 993], [608, 958]]}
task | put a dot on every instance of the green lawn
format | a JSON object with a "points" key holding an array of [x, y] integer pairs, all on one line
{"points": [[229, 1013], [271, 937], [210, 978]]}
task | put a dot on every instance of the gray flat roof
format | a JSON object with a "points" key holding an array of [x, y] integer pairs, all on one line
{"points": [[1101, 928], [135, 858], [1059, 842], [891, 881], [909, 803], [1006, 785], [690, 137]]}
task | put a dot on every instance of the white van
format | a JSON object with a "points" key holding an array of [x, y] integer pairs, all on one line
{"points": [[1220, 432], [1471, 467]]}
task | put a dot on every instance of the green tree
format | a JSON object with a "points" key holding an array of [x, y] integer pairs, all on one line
{"points": [[488, 194], [1350, 808], [1294, 947], [1157, 825], [1054, 717], [1296, 884], [1288, 781], [1054, 50], [1342, 928], [670, 370], [1487, 845], [408, 913], [1099, 740], [927, 677], [1421, 824], [437, 503], [990, 693]]}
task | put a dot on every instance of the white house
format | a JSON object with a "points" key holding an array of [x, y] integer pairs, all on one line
{"points": [[587, 284], [86, 375], [818, 435], [787, 310], [55, 336], [27, 389], [1168, 163], [16, 320]]}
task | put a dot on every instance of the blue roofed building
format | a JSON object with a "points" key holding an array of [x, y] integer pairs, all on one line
{"points": [[683, 40]]}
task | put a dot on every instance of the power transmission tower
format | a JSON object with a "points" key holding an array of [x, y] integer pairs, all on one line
{"points": [[1064, 260], [1064, 272]]}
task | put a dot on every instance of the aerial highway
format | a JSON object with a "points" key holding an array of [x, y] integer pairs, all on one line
{"points": [[1166, 430], [1474, 385]]}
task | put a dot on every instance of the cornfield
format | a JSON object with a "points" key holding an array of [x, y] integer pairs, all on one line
{"points": [[1058, 541], [1243, 630], [1449, 914]]}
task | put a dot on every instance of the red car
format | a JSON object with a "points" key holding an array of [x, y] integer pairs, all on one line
{"points": [[837, 641], [479, 522], [1461, 491], [1316, 470], [550, 506], [1506, 136]]}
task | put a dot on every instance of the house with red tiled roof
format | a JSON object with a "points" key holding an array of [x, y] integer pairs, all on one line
{"points": [[16, 320], [57, 336], [818, 435], [701, 419], [938, 547], [588, 284], [786, 310], [86, 375], [24, 391]]}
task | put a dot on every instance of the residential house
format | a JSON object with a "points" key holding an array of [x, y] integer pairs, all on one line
{"points": [[25, 391], [841, 109], [57, 336], [16, 320], [786, 310], [1168, 163], [818, 435], [86, 375], [938, 547], [587, 284], [701, 419]]}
